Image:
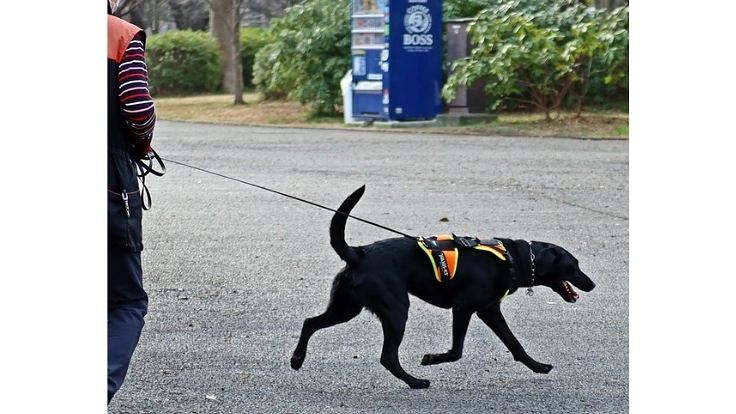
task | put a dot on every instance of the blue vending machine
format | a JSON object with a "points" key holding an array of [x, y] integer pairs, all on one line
{"points": [[396, 59]]}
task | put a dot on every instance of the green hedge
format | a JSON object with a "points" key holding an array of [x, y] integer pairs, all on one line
{"points": [[183, 62], [252, 39]]}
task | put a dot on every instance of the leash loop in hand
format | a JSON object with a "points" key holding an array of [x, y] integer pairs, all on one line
{"points": [[145, 165]]}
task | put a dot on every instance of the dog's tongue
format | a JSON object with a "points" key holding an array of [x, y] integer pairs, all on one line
{"points": [[571, 291]]}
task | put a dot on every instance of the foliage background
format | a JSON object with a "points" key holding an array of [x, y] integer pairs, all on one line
{"points": [[183, 62], [252, 39], [303, 55], [309, 55]]}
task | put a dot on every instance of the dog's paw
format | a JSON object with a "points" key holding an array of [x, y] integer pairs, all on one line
{"points": [[296, 361], [542, 368], [434, 359], [419, 383], [429, 359]]}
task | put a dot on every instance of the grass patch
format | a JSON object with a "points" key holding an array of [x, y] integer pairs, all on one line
{"points": [[608, 123]]}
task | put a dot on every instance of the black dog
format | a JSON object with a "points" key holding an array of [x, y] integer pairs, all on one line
{"points": [[380, 277]]}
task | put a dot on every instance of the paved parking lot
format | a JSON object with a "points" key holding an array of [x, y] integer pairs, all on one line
{"points": [[233, 270]]}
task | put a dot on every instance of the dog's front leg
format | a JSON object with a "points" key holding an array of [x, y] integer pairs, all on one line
{"points": [[460, 321], [393, 333], [493, 317]]}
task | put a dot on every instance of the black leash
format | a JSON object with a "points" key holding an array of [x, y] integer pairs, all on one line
{"points": [[145, 166], [285, 195]]}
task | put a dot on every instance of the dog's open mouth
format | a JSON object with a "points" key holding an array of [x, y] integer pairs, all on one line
{"points": [[572, 295]]}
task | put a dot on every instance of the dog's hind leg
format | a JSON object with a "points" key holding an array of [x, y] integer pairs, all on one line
{"points": [[493, 317], [460, 321], [341, 308]]}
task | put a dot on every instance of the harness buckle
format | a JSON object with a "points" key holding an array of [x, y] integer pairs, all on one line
{"points": [[465, 241]]}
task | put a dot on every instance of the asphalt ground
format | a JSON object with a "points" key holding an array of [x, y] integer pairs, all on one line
{"points": [[232, 271]]}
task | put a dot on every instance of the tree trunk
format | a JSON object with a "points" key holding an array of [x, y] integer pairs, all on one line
{"points": [[225, 27], [237, 55]]}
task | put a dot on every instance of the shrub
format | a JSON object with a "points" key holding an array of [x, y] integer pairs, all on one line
{"points": [[183, 62], [252, 39], [460, 9], [540, 53], [310, 55], [611, 70], [268, 77]]}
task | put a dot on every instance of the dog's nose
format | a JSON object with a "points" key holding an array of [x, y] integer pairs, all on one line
{"points": [[584, 282]]}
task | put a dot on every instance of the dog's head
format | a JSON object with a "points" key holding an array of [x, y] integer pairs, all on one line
{"points": [[558, 269]]}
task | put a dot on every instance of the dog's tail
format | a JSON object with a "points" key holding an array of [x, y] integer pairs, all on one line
{"points": [[350, 255]]}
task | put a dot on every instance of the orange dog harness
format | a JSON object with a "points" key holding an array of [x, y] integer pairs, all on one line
{"points": [[443, 251]]}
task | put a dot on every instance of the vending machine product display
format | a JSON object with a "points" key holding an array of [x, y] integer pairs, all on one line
{"points": [[396, 59]]}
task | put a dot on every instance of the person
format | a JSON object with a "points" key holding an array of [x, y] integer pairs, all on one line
{"points": [[131, 118]]}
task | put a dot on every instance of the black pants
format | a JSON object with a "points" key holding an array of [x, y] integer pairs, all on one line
{"points": [[127, 305]]}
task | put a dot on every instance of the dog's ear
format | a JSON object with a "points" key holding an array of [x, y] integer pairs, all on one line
{"points": [[546, 259]]}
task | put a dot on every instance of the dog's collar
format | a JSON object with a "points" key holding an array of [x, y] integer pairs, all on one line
{"points": [[530, 290]]}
